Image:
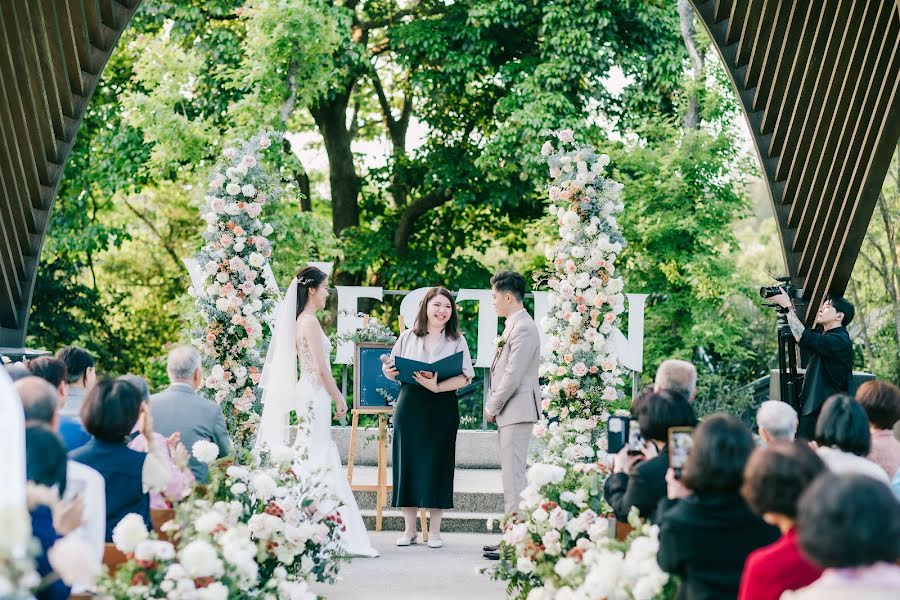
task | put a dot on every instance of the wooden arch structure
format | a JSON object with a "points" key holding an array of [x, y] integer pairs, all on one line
{"points": [[817, 80]]}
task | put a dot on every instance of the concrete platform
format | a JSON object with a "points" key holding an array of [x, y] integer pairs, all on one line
{"points": [[478, 495], [418, 572]]}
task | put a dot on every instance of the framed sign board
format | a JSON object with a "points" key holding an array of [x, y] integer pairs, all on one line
{"points": [[372, 391]]}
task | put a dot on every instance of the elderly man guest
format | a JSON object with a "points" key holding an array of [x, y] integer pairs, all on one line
{"points": [[678, 376], [181, 409], [777, 420]]}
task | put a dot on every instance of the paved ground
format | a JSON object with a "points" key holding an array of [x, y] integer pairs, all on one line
{"points": [[464, 480], [418, 572]]}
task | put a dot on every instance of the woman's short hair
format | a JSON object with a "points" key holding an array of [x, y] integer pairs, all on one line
{"points": [[451, 328], [777, 475], [848, 521], [111, 409], [843, 424], [77, 360], [658, 411], [140, 383], [722, 445], [45, 458], [881, 401], [49, 369]]}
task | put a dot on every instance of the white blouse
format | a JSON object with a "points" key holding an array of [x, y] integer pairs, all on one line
{"points": [[411, 346]]}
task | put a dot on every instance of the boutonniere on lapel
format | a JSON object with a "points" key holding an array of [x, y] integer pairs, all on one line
{"points": [[500, 342]]}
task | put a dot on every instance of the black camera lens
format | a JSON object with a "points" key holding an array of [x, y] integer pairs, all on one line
{"points": [[769, 291]]}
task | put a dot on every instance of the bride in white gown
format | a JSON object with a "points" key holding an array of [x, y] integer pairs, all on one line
{"points": [[297, 332]]}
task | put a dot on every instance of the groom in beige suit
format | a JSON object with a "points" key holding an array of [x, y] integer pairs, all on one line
{"points": [[515, 394]]}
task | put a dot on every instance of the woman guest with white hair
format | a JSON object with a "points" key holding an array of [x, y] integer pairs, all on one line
{"points": [[776, 421]]}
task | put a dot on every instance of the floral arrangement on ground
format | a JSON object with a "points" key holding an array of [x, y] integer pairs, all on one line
{"points": [[255, 531], [564, 548]]}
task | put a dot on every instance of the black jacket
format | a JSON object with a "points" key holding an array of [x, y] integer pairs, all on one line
{"points": [[830, 366], [643, 488], [705, 539]]}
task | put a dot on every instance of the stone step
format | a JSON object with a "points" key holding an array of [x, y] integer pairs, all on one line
{"points": [[474, 449], [467, 502], [457, 522]]}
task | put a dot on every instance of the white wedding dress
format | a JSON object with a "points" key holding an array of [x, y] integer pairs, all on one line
{"points": [[322, 452]]}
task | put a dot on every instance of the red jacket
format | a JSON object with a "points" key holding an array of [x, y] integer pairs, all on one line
{"points": [[777, 568]]}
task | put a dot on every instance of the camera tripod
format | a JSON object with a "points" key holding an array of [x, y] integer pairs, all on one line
{"points": [[789, 380]]}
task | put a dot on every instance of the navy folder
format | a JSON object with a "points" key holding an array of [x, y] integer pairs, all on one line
{"points": [[445, 368]]}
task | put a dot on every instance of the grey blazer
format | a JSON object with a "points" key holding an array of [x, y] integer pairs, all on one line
{"points": [[180, 408], [515, 388]]}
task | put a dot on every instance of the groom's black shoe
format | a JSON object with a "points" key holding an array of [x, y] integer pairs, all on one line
{"points": [[492, 555], [493, 548]]}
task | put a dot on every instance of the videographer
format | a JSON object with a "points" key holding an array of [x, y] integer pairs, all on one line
{"points": [[831, 356]]}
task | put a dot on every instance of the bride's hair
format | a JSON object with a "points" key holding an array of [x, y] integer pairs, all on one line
{"points": [[308, 278]]}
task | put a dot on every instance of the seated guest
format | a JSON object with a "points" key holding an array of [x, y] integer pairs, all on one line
{"points": [[171, 449], [54, 370], [45, 465], [706, 528], [774, 480], [80, 376], [640, 480], [181, 409], [843, 438], [849, 525], [40, 403], [776, 420], [881, 401], [109, 413], [677, 376]]}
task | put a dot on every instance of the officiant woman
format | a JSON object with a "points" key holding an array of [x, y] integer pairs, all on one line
{"points": [[426, 416]]}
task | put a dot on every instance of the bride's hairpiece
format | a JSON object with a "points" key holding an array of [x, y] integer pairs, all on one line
{"points": [[305, 281]]}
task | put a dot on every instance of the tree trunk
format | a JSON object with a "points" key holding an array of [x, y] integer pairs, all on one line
{"points": [[299, 175], [688, 34], [331, 119]]}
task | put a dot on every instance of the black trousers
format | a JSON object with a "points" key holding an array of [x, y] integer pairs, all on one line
{"points": [[807, 428]]}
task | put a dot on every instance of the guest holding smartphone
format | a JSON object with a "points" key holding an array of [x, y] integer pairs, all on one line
{"points": [[639, 480], [426, 416], [706, 528]]}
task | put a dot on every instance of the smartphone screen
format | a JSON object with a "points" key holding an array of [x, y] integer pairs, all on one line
{"points": [[680, 442], [617, 433], [635, 439]]}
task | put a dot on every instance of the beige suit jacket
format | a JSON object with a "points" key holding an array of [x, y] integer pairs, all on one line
{"points": [[515, 390]]}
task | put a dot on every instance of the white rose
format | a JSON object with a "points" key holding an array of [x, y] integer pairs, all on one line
{"points": [[206, 522], [547, 149], [248, 190], [239, 488], [256, 259], [205, 451], [200, 559], [264, 142], [151, 550], [267, 230], [214, 591], [541, 474], [263, 486], [564, 567], [558, 518], [566, 136], [129, 532], [233, 189], [570, 219], [235, 471], [516, 534], [524, 564]]}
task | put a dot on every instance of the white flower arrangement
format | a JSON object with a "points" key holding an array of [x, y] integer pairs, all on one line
{"points": [[236, 299]]}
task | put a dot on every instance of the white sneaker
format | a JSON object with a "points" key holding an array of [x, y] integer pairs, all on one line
{"points": [[406, 540], [434, 542]]}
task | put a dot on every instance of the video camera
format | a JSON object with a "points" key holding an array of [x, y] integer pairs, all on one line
{"points": [[793, 292]]}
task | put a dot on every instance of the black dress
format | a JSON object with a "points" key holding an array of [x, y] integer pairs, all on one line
{"points": [[644, 488], [424, 453]]}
